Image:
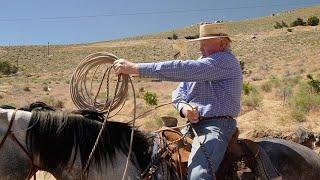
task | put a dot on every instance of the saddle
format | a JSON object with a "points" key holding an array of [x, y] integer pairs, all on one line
{"points": [[179, 147], [240, 160]]}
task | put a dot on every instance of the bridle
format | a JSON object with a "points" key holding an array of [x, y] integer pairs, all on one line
{"points": [[10, 133]]}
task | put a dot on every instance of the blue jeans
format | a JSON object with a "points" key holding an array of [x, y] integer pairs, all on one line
{"points": [[215, 135]]}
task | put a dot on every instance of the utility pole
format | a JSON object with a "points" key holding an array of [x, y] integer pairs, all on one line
{"points": [[48, 50]]}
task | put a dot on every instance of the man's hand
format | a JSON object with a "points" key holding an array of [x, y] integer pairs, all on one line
{"points": [[123, 66], [191, 113]]}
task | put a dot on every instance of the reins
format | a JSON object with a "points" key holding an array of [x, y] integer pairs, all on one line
{"points": [[10, 133]]}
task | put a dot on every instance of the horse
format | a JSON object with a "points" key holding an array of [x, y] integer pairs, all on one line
{"points": [[60, 143]]}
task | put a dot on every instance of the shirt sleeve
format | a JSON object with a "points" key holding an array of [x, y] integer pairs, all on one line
{"points": [[179, 97], [205, 69]]}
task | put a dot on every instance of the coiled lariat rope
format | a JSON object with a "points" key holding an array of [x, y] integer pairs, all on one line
{"points": [[83, 98]]}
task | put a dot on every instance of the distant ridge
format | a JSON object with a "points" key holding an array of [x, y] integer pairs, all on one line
{"points": [[247, 26]]}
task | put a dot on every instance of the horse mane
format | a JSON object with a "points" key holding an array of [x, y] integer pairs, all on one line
{"points": [[56, 135], [38, 105]]}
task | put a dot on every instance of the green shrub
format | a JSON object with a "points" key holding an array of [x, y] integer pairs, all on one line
{"points": [[313, 21], [291, 81], [289, 30], [251, 97], [150, 98], [6, 68], [154, 123], [174, 36], [192, 37], [252, 100], [243, 68], [267, 86], [158, 121], [280, 25], [141, 89], [285, 92], [277, 25], [54, 102], [298, 22], [247, 88], [60, 104], [46, 88], [298, 115], [304, 100], [314, 84], [26, 89], [283, 24], [275, 81]]}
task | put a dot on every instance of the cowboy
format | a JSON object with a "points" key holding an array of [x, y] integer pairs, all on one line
{"points": [[211, 85]]}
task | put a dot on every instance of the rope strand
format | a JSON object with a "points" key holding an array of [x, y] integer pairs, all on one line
{"points": [[83, 97]]}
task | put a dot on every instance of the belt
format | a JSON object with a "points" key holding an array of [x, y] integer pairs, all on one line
{"points": [[201, 118]]}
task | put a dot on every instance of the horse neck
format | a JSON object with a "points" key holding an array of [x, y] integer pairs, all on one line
{"points": [[12, 155], [19, 126], [111, 161], [112, 170]]}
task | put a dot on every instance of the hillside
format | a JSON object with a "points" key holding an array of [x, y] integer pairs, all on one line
{"points": [[275, 59]]}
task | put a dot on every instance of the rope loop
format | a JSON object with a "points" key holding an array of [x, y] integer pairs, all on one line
{"points": [[81, 91]]}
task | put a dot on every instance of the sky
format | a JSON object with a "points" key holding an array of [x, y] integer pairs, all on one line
{"points": [[34, 22]]}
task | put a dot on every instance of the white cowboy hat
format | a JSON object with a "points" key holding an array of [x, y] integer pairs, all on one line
{"points": [[212, 30]]}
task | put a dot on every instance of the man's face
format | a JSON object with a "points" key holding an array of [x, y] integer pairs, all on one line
{"points": [[210, 46]]}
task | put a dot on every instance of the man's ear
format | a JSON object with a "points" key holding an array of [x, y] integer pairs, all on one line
{"points": [[223, 44]]}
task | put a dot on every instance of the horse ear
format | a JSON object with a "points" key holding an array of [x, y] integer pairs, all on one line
{"points": [[38, 105], [6, 106]]}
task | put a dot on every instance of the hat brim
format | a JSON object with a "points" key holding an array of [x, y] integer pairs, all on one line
{"points": [[209, 37]]}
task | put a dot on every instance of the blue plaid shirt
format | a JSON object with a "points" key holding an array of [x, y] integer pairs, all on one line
{"points": [[212, 83]]}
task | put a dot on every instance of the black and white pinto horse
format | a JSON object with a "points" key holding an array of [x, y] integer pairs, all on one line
{"points": [[60, 143]]}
